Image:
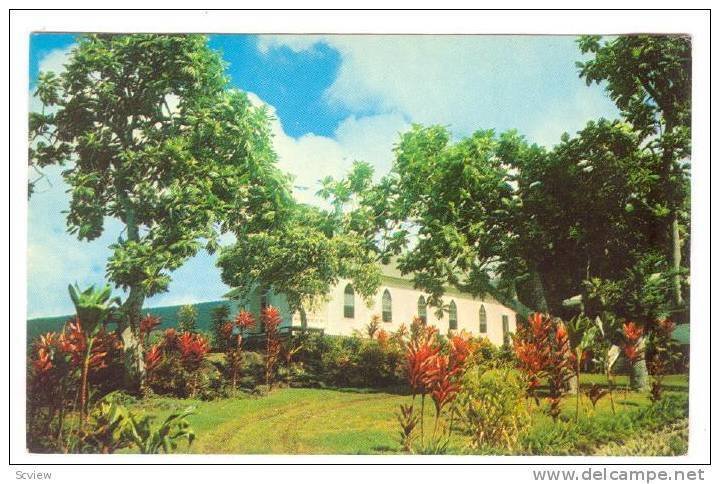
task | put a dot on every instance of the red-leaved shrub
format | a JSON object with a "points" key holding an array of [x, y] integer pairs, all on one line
{"points": [[543, 350], [173, 365], [435, 371], [662, 354], [271, 320]]}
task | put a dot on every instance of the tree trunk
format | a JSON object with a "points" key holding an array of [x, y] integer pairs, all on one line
{"points": [[573, 385], [677, 260], [639, 376], [129, 327], [84, 382], [675, 247], [303, 319], [639, 373], [130, 334], [537, 301]]}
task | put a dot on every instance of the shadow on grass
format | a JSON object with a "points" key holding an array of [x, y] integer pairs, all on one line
{"points": [[385, 449], [675, 388], [392, 390]]}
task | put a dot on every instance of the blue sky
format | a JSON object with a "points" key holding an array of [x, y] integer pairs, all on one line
{"points": [[335, 99]]}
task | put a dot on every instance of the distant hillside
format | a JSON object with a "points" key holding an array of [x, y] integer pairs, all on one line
{"points": [[168, 318]]}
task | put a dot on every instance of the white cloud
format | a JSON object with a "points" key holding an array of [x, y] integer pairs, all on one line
{"points": [[311, 157], [387, 82], [56, 59], [56, 258], [567, 118], [296, 43], [466, 82]]}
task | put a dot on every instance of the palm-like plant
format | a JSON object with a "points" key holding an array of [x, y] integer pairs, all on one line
{"points": [[608, 350], [582, 334], [152, 440], [92, 308]]}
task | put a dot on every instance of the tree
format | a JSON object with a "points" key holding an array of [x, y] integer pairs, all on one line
{"points": [[150, 136], [220, 316], [187, 318], [93, 309], [303, 259], [649, 78], [578, 215], [440, 210]]}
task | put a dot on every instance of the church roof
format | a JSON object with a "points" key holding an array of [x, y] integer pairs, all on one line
{"points": [[391, 271]]}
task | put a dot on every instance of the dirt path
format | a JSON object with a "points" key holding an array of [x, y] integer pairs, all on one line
{"points": [[302, 425]]}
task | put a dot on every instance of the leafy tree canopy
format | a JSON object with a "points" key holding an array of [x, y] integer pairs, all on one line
{"points": [[649, 79], [303, 259], [150, 135]]}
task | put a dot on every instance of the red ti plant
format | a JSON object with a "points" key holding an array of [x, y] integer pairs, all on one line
{"points": [[89, 354], [188, 350], [529, 343], [631, 345], [383, 337], [408, 420], [561, 368], [373, 326], [420, 353], [60, 367], [271, 319], [233, 353], [435, 372], [92, 309], [170, 341], [244, 321], [147, 325], [52, 386], [631, 341], [400, 333], [543, 350], [662, 353], [153, 357], [193, 348], [417, 326], [531, 361], [442, 385]]}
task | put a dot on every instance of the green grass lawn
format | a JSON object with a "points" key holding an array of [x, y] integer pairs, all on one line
{"points": [[353, 421]]}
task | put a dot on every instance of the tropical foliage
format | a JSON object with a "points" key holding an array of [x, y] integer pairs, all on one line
{"points": [[151, 135], [587, 241]]}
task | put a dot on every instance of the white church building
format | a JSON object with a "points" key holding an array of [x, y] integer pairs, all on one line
{"points": [[397, 302]]}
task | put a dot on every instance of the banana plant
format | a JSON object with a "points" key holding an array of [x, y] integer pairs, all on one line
{"points": [[609, 350], [107, 429], [153, 440], [582, 334], [92, 308]]}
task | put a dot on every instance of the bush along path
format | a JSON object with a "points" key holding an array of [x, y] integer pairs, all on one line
{"points": [[356, 421], [671, 439]]}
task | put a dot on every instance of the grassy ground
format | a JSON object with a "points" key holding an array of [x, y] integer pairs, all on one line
{"points": [[353, 421], [672, 439]]}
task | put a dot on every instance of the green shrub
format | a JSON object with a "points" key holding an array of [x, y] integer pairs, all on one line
{"points": [[252, 371], [219, 316], [491, 409], [187, 318], [171, 377], [583, 437], [360, 362], [670, 440]]}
